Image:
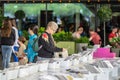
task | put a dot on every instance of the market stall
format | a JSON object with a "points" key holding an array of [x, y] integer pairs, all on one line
{"points": [[79, 66]]}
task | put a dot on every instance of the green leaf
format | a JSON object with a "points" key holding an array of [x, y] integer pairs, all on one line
{"points": [[63, 36], [19, 14], [82, 40], [104, 13]]}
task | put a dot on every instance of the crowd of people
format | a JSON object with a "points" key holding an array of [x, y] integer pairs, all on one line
{"points": [[94, 36], [97, 37], [13, 45]]}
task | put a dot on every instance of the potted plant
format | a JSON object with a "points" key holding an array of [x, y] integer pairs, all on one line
{"points": [[115, 43], [65, 40], [63, 36], [104, 14], [81, 43]]}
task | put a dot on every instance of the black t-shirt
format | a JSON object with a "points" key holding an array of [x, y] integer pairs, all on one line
{"points": [[8, 40], [48, 47]]}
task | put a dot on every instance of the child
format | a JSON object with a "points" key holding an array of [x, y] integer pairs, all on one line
{"points": [[21, 55]]}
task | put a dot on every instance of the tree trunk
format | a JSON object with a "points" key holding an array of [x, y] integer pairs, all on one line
{"points": [[19, 24]]}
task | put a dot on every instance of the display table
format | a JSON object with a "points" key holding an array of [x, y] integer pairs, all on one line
{"points": [[79, 66]]}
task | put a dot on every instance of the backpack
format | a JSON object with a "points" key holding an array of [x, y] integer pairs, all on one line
{"points": [[35, 45]]}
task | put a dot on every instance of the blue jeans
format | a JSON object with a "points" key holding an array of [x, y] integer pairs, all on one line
{"points": [[6, 53]]}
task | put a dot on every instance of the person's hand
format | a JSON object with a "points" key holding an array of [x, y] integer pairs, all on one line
{"points": [[19, 42], [64, 49]]}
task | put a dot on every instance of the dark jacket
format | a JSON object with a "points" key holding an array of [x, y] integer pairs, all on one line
{"points": [[48, 48], [8, 40]]}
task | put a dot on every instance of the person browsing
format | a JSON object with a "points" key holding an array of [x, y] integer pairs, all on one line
{"points": [[46, 42]]}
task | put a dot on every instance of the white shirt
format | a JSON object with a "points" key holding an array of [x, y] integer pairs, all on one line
{"points": [[16, 37]]}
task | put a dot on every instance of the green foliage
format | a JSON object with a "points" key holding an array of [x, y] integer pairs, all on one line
{"points": [[25, 34], [41, 30], [1, 17], [115, 42], [63, 36], [59, 9], [19, 14], [104, 13], [82, 40]]}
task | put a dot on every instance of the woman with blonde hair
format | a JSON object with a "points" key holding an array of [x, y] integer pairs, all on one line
{"points": [[7, 41]]}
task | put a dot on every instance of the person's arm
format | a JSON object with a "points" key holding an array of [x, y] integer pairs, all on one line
{"points": [[90, 38], [45, 44], [77, 36], [16, 34], [13, 35], [21, 48]]}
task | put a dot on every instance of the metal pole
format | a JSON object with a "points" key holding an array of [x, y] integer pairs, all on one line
{"points": [[104, 34]]}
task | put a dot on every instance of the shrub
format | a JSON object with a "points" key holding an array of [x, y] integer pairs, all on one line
{"points": [[82, 40], [63, 36], [115, 42], [25, 34], [41, 30]]}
